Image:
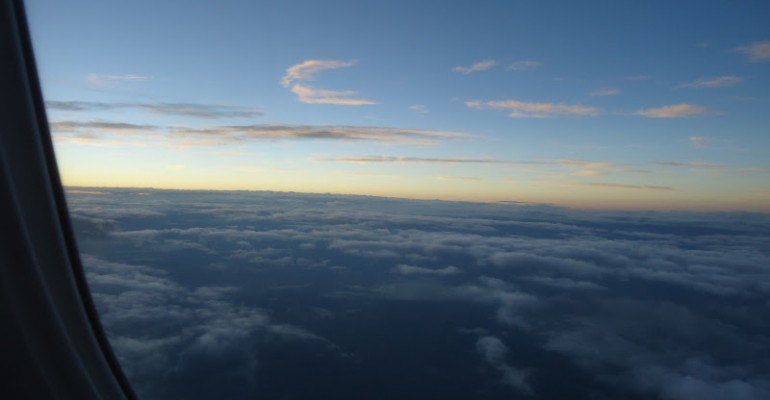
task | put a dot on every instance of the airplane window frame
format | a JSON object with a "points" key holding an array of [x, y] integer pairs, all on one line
{"points": [[55, 346]]}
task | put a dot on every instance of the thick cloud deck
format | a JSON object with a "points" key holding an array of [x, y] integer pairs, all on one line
{"points": [[275, 295]]}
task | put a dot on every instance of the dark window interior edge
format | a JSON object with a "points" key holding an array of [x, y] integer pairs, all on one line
{"points": [[54, 345]]}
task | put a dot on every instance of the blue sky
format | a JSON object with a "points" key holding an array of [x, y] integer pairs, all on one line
{"points": [[612, 104]]}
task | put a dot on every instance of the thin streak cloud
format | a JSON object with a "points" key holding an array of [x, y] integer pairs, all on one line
{"points": [[673, 111], [108, 80], [310, 95], [417, 160], [211, 111], [607, 91], [306, 71], [610, 185], [521, 109], [524, 65], [476, 67], [219, 135], [719, 82], [756, 52]]}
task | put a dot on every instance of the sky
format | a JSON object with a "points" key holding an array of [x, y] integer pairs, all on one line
{"points": [[601, 105]]}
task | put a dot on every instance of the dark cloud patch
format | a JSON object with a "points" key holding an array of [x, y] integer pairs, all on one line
{"points": [[589, 305]]}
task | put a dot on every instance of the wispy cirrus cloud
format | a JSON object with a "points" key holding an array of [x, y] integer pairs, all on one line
{"points": [[699, 142], [521, 109], [610, 185], [268, 132], [100, 126], [212, 111], [711, 83], [306, 71], [109, 80], [419, 108], [417, 160], [524, 65], [597, 168], [673, 111], [605, 91], [756, 52], [693, 164], [475, 67], [78, 131], [311, 95]]}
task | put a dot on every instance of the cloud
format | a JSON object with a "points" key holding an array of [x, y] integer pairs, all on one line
{"points": [[109, 80], [99, 126], [584, 293], [673, 111], [495, 353], [524, 65], [597, 168], [696, 164], [476, 67], [419, 108], [212, 111], [306, 71], [95, 131], [756, 52], [606, 91], [418, 160], [457, 178], [330, 132], [699, 142], [722, 81], [520, 109], [310, 95], [619, 186], [404, 269]]}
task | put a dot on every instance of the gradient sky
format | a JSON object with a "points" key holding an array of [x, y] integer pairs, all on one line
{"points": [[612, 104]]}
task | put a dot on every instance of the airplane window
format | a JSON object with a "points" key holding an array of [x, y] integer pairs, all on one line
{"points": [[419, 199]]}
